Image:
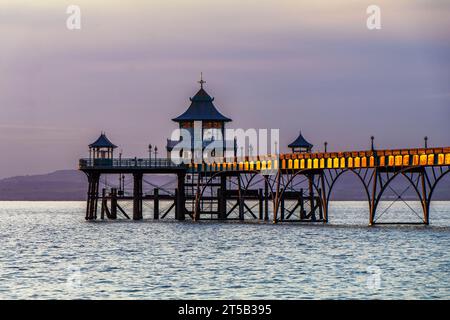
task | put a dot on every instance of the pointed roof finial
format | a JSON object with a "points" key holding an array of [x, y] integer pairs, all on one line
{"points": [[201, 80]]}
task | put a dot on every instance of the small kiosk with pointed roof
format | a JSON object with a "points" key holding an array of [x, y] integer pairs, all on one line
{"points": [[102, 150], [300, 145]]}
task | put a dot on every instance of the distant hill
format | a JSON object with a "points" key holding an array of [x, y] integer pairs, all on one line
{"points": [[71, 185]]}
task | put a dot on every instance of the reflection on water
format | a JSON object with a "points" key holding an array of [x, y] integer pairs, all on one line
{"points": [[49, 251]]}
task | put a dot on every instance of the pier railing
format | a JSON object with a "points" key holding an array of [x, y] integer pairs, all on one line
{"points": [[331, 160], [127, 163]]}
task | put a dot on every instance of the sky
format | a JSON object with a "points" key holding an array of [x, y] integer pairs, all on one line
{"points": [[287, 64]]}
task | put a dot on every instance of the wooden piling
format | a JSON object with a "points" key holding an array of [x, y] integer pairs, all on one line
{"points": [[113, 204]]}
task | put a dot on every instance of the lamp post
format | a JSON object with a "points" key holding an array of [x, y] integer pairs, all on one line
{"points": [[372, 138], [426, 141], [325, 144], [149, 154], [156, 152]]}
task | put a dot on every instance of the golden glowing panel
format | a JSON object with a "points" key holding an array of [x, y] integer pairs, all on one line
{"points": [[230, 166], [431, 159], [290, 164], [342, 162], [269, 164], [241, 166], [296, 164], [330, 163], [423, 160], [415, 161], [336, 163], [350, 162], [275, 164], [391, 161], [302, 164], [363, 162], [382, 161], [372, 161], [309, 163], [322, 163], [447, 158], [283, 164], [263, 165], [258, 165], [398, 160], [406, 160], [441, 159], [252, 165], [357, 162], [316, 164]]}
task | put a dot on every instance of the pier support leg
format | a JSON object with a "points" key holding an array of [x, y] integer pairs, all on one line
{"points": [[373, 202], [137, 196], [282, 210], [180, 207], [266, 200], [425, 203], [103, 207], [222, 201], [240, 200], [311, 198], [156, 204], [324, 198], [113, 204], [261, 204], [91, 208]]}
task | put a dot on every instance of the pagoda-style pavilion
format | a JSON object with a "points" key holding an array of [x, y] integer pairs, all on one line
{"points": [[300, 145], [201, 109], [102, 150]]}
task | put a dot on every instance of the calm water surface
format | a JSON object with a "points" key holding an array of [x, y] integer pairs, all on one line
{"points": [[49, 251]]}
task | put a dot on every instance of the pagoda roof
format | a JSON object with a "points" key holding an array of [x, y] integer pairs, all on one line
{"points": [[300, 142], [201, 109], [102, 142]]}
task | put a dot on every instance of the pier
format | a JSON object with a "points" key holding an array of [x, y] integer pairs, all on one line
{"points": [[255, 187]]}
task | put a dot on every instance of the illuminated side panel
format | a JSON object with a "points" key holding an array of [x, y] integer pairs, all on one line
{"points": [[372, 161], [357, 162], [316, 163], [322, 163], [269, 164], [336, 163], [382, 160], [363, 162], [283, 164], [296, 164], [431, 159], [391, 161], [241, 166], [252, 165], [309, 164], [447, 158], [275, 164], [415, 160], [423, 160], [290, 164], [263, 165], [350, 162], [406, 160], [398, 161], [342, 162], [441, 159], [302, 164], [329, 163]]}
